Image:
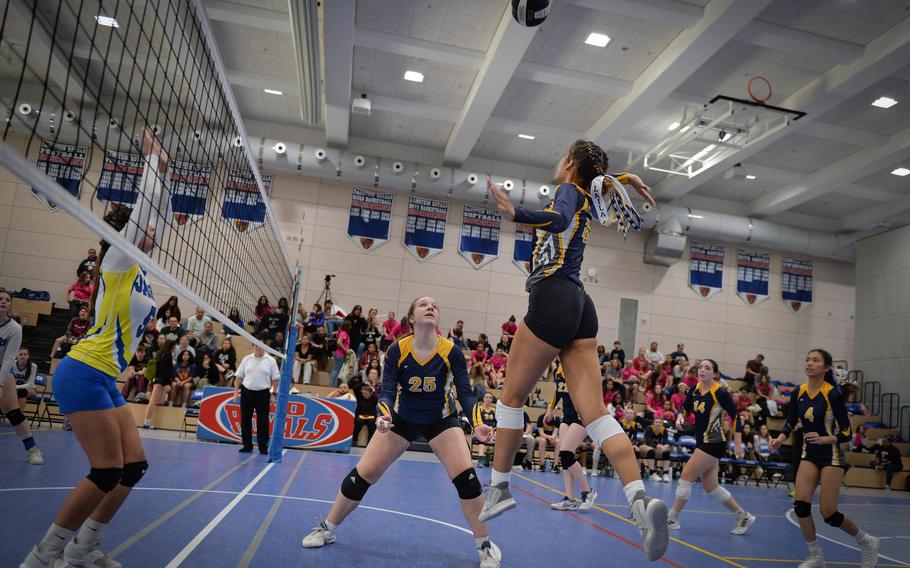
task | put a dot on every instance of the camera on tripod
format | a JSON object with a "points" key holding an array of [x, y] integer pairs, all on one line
{"points": [[328, 278]]}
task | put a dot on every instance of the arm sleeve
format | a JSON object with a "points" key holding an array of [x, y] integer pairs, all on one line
{"points": [[792, 413], [460, 377], [13, 344], [476, 417], [276, 372], [556, 218], [389, 380], [840, 416], [726, 402], [241, 369]]}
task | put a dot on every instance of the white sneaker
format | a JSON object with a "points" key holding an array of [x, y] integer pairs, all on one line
{"points": [[655, 477], [665, 478], [595, 473], [34, 456], [88, 555], [815, 560], [588, 500], [37, 559], [565, 505], [743, 522], [499, 500], [651, 517], [869, 548], [673, 524], [490, 555], [319, 537]]}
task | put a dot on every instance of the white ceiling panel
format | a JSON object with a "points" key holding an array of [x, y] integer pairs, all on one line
{"points": [[256, 51], [858, 112], [803, 154], [502, 146], [888, 181], [401, 129], [834, 206], [741, 190], [855, 21], [551, 105]]}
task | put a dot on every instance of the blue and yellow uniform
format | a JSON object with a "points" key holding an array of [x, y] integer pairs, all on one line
{"points": [[707, 406], [825, 413], [420, 395], [482, 415], [569, 414]]}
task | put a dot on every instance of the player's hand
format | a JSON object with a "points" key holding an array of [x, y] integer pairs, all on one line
{"points": [[236, 395], [738, 451], [680, 421], [502, 200], [814, 438], [484, 433], [384, 423], [775, 444], [641, 187]]}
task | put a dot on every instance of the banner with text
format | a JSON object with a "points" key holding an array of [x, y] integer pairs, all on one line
{"points": [[425, 227], [243, 206], [370, 217], [63, 164], [189, 191], [523, 249], [480, 230], [121, 174], [796, 283], [706, 268], [753, 273]]}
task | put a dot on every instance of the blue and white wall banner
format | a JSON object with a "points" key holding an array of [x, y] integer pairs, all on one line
{"points": [[753, 274], [121, 174], [65, 165], [189, 191], [524, 248], [796, 283], [480, 230], [425, 227], [706, 268], [370, 217], [243, 206]]}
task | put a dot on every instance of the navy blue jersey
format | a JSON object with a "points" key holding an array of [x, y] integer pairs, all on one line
{"points": [[562, 393], [707, 407], [823, 412], [481, 415], [654, 437], [424, 391]]}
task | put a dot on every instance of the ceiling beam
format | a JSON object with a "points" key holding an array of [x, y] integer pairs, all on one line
{"points": [[243, 15], [338, 55], [798, 42], [880, 215], [419, 48], [789, 177], [492, 79], [259, 81], [845, 134], [663, 12], [683, 57], [571, 79]]}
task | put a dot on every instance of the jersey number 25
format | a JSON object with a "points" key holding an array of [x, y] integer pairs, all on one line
{"points": [[425, 384]]}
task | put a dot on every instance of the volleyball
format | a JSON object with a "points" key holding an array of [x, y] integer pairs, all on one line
{"points": [[530, 13]]}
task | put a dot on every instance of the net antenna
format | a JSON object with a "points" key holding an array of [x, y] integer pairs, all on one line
{"points": [[81, 81]]}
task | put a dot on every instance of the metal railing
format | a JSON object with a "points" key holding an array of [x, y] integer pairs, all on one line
{"points": [[890, 409], [872, 393]]}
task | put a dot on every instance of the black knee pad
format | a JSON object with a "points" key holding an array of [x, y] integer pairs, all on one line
{"points": [[650, 454], [467, 484], [105, 478], [802, 509], [354, 487], [566, 459], [133, 472], [15, 417], [836, 519]]}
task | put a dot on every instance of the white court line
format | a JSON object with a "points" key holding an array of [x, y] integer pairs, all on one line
{"points": [[789, 515], [197, 540]]}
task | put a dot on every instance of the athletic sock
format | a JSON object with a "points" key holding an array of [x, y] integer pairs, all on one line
{"points": [[740, 512], [673, 515], [498, 477], [55, 539], [860, 536], [814, 546], [480, 540], [90, 533], [330, 527], [29, 443], [632, 489]]}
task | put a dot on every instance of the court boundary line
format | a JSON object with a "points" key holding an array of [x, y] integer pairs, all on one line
{"points": [[788, 561], [789, 515]]}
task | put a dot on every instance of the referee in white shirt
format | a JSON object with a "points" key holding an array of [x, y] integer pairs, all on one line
{"points": [[254, 382]]}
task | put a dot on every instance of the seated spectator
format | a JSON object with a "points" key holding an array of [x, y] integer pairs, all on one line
{"points": [[484, 412], [404, 328], [196, 324], [616, 406], [654, 355], [547, 430], [763, 443], [510, 327], [343, 346], [860, 442], [654, 452], [333, 317], [135, 374], [456, 335], [631, 379], [318, 343], [655, 403], [498, 363], [284, 306], [185, 375], [183, 344], [691, 378], [888, 458], [505, 343], [357, 330], [276, 342], [529, 442], [304, 361], [374, 378], [477, 367], [162, 322], [262, 308], [207, 341], [150, 337], [679, 353], [618, 353], [79, 294], [88, 265], [172, 306], [24, 371], [602, 358], [389, 327], [234, 316], [642, 365], [373, 333], [276, 319], [343, 392], [75, 329], [226, 362], [208, 373], [679, 397], [754, 369], [370, 353], [680, 369], [666, 367], [669, 415], [374, 363], [609, 390], [173, 331], [613, 369], [365, 412]]}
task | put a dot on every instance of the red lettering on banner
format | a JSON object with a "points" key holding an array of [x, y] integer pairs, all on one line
{"points": [[320, 426], [233, 417], [300, 430], [296, 408]]}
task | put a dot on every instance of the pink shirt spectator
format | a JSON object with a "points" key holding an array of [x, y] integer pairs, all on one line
{"points": [[609, 396], [480, 357], [690, 381], [677, 401], [81, 292], [388, 327], [344, 343], [629, 375], [509, 327], [656, 404], [400, 331], [262, 311], [498, 363]]}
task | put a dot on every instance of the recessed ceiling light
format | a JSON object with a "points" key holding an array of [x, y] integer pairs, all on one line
{"points": [[526, 136], [750, 176], [597, 40], [272, 92], [691, 216], [884, 102], [107, 21], [685, 128], [413, 76], [673, 126], [901, 172]]}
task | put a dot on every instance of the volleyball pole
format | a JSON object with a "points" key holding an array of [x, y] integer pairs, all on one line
{"points": [[276, 443]]}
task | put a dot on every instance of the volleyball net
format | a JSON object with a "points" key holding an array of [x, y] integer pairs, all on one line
{"points": [[81, 81]]}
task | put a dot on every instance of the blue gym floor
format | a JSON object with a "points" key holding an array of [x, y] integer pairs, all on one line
{"points": [[204, 504]]}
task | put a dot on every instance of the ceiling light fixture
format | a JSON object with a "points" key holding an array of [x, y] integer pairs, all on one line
{"points": [[901, 172], [414, 76], [106, 21], [884, 102], [673, 126], [750, 176], [597, 40], [526, 136], [272, 92], [691, 216]]}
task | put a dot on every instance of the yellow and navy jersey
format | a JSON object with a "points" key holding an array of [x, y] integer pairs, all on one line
{"points": [[424, 391], [708, 406], [823, 412], [562, 231], [562, 393], [482, 415], [123, 308]]}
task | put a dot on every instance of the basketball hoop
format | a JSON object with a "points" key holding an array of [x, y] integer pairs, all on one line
{"points": [[755, 98]]}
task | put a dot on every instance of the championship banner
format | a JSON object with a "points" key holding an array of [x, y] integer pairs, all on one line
{"points": [[121, 174], [425, 227], [796, 283], [480, 230], [753, 273], [243, 206], [189, 191], [370, 217], [313, 423], [65, 165], [524, 248], [706, 268]]}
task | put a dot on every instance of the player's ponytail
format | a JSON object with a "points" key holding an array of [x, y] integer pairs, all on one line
{"points": [[590, 162], [116, 218]]}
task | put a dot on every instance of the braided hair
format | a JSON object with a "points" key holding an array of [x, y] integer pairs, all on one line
{"points": [[590, 161]]}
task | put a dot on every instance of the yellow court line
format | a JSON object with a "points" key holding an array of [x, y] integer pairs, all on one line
{"points": [[786, 561], [625, 520]]}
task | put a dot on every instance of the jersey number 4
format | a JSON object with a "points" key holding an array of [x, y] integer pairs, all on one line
{"points": [[425, 384], [700, 406]]}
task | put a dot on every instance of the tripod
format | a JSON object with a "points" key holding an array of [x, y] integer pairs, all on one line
{"points": [[326, 294]]}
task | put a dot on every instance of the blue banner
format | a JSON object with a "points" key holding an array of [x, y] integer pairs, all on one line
{"points": [[524, 248], [480, 229], [796, 282], [65, 165], [425, 227], [706, 268], [189, 191], [243, 206], [121, 174], [369, 218], [753, 274], [311, 422]]}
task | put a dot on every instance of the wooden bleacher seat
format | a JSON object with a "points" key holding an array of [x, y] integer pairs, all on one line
{"points": [[878, 433]]}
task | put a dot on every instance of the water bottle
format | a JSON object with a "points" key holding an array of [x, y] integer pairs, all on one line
{"points": [[723, 477], [546, 464]]}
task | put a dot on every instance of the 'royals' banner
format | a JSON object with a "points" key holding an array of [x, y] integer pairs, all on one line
{"points": [[480, 230], [524, 248], [243, 205], [313, 423], [425, 227], [189, 190], [753, 272], [63, 164], [369, 219], [706, 268], [796, 283], [120, 177]]}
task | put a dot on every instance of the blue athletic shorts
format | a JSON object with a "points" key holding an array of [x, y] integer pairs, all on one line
{"points": [[79, 387]]}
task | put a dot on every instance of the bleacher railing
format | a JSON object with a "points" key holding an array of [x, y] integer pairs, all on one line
{"points": [[872, 396], [904, 422], [890, 409]]}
